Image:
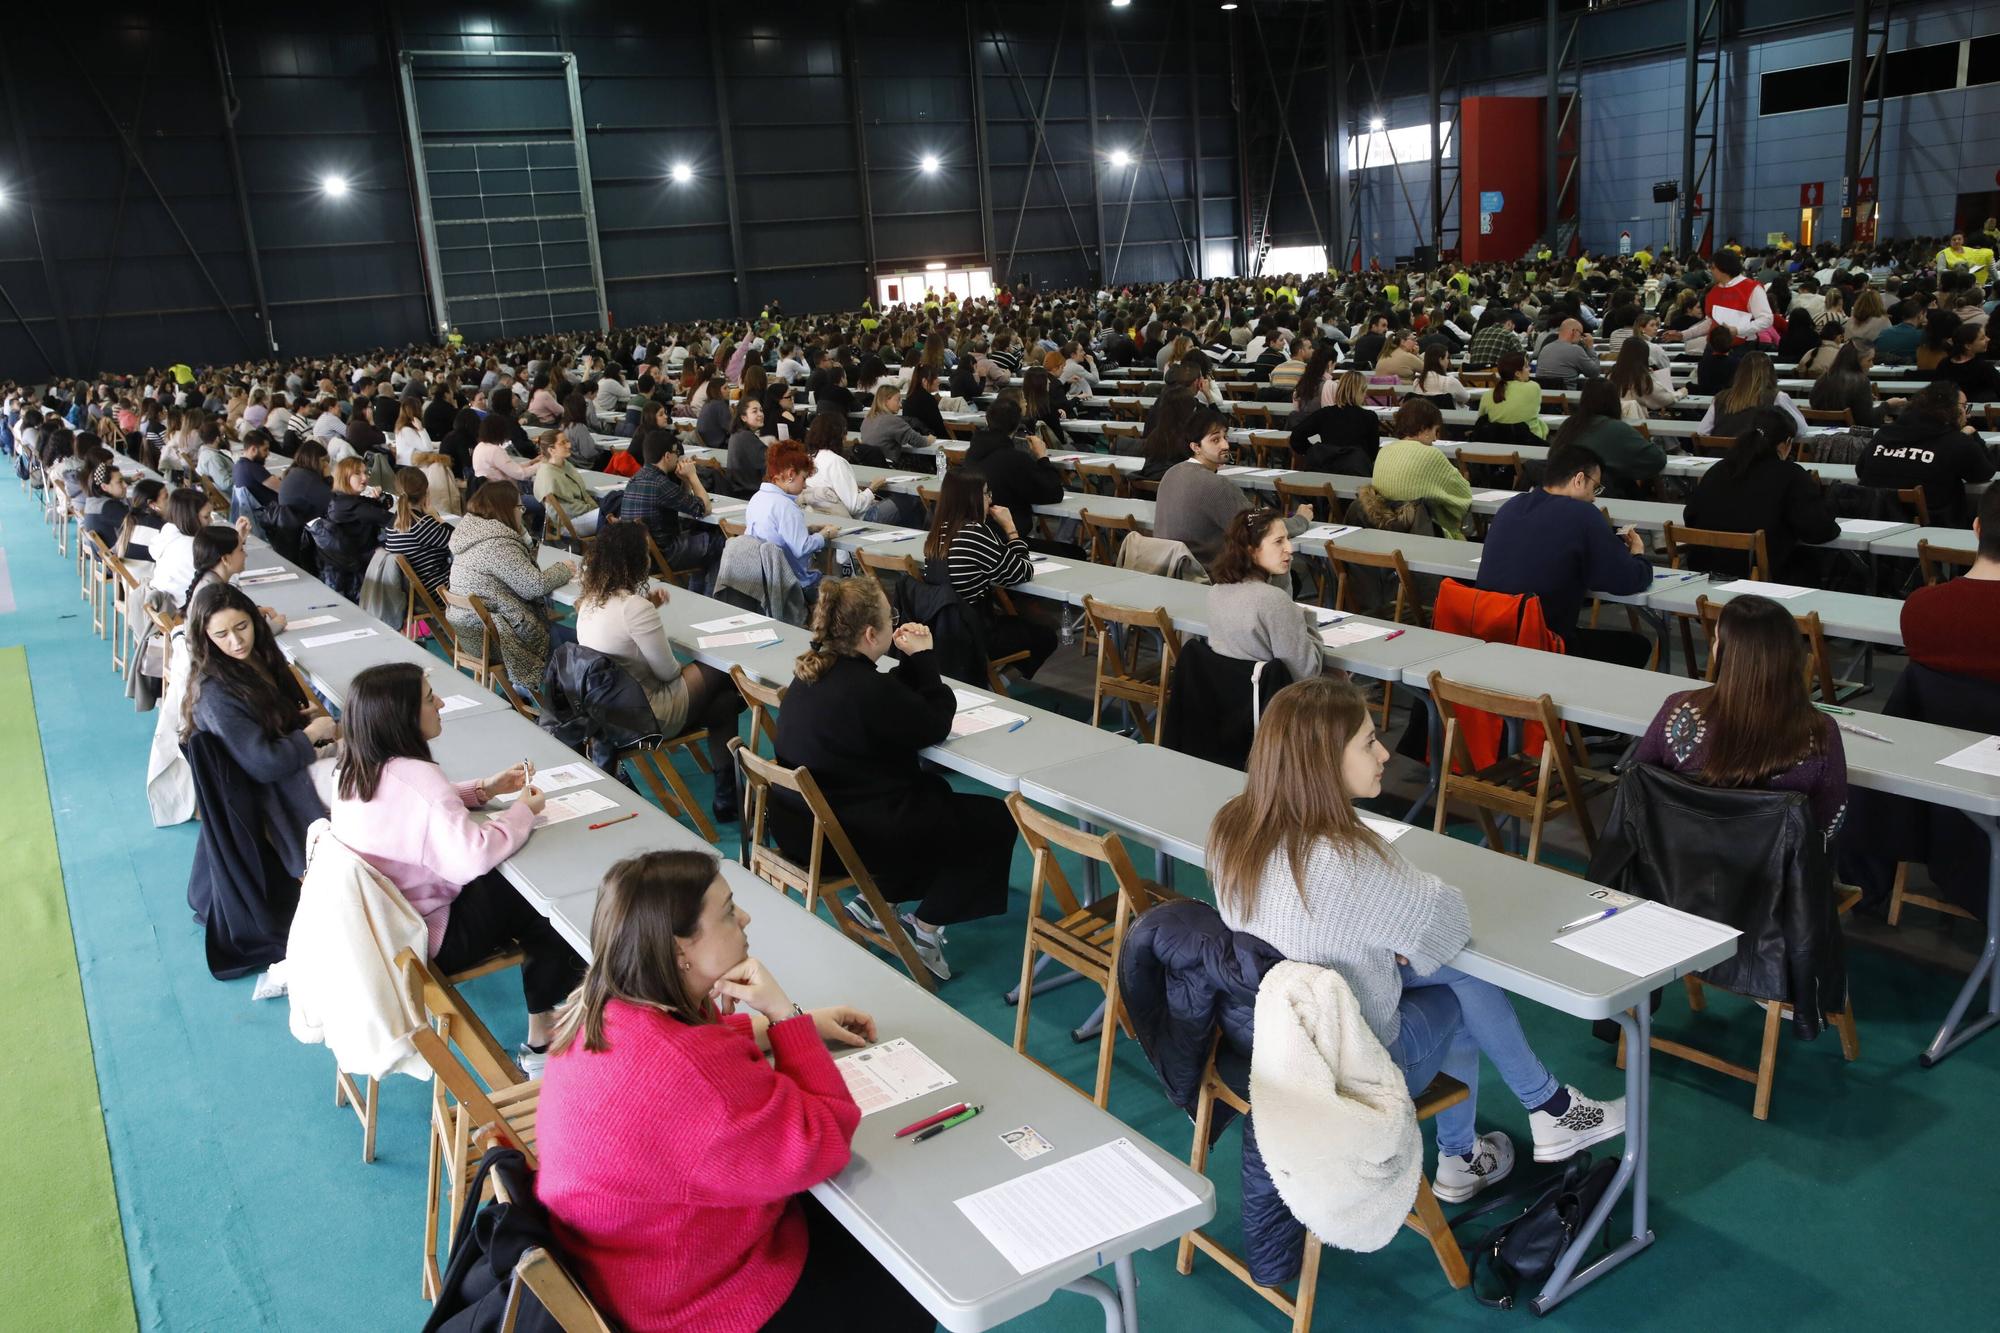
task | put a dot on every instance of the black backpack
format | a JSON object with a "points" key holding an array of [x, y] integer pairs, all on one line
{"points": [[490, 1240], [1523, 1252]]}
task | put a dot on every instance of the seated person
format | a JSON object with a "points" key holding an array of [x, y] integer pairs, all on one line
{"points": [[1755, 386], [1018, 472], [1411, 467], [774, 515], [982, 550], [558, 484], [104, 507], [1515, 399], [1595, 423], [1251, 615], [1757, 487], [416, 533], [490, 560], [1932, 445], [1197, 506], [1552, 543], [250, 475], [1955, 626], [665, 1043], [618, 615], [668, 499], [305, 491], [833, 488], [1293, 864], [1757, 726], [861, 732], [744, 459], [1342, 438], [395, 809]]}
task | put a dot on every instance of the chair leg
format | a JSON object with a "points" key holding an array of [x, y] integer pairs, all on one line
{"points": [[1687, 647], [1027, 991], [1427, 1218], [1767, 1058], [368, 1121], [1850, 1040], [1204, 1119], [1697, 997], [1896, 891], [1302, 1305]]}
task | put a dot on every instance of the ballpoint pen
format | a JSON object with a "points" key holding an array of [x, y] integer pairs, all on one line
{"points": [[1018, 725], [1587, 920], [942, 1126], [629, 814], [1851, 729]]}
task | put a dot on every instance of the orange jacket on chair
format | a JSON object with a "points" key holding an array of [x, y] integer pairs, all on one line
{"points": [[1493, 617]]}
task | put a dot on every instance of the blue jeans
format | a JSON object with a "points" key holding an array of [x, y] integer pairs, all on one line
{"points": [[1448, 1019]]}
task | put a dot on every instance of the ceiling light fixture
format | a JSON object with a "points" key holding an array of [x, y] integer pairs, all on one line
{"points": [[1120, 158], [930, 163], [334, 187], [682, 173]]}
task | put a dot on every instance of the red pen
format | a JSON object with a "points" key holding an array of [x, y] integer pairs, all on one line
{"points": [[930, 1120], [1392, 634], [630, 814]]}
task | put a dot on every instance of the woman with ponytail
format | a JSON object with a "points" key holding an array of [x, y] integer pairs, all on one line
{"points": [[416, 534], [219, 556], [146, 512], [1758, 488], [862, 732]]}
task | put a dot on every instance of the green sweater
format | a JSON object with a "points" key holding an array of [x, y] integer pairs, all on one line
{"points": [[1622, 449], [564, 485], [1412, 470], [1522, 403]]}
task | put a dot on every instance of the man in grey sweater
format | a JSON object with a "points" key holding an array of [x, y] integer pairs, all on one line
{"points": [[1570, 354], [1196, 504]]}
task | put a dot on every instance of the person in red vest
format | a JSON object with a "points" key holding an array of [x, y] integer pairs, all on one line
{"points": [[1734, 301]]}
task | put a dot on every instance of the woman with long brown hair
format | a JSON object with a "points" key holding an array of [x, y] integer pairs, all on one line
{"points": [[1295, 863], [1757, 727], [1755, 385], [1515, 398], [862, 732], [976, 542], [665, 1042]]}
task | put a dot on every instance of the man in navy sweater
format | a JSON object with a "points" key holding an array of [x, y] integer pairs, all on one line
{"points": [[1552, 542]]}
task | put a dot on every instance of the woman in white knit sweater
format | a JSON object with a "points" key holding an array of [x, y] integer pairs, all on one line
{"points": [[1294, 864]]}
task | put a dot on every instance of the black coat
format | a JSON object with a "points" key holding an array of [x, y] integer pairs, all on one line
{"points": [[489, 1242], [1019, 480], [304, 494], [1215, 713], [438, 416], [1181, 975], [1777, 496], [1747, 858], [920, 407], [594, 705], [1342, 440], [859, 731]]}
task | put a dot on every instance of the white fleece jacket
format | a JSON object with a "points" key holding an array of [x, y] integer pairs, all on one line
{"points": [[1334, 1119]]}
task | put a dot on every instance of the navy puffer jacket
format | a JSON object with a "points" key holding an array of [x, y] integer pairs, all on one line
{"points": [[1182, 975]]}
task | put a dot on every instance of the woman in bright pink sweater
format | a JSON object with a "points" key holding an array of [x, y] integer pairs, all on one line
{"points": [[397, 810], [674, 1156]]}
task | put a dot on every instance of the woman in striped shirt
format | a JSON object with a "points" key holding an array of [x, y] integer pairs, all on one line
{"points": [[416, 534], [982, 551]]}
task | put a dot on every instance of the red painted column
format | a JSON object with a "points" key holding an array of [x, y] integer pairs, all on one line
{"points": [[1500, 148]]}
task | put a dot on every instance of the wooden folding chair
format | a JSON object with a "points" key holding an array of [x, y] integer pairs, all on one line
{"points": [[1103, 534], [538, 1273], [484, 665], [1086, 938], [730, 527], [216, 499], [102, 584], [1320, 495], [1406, 606], [565, 529], [125, 591], [1675, 537], [1711, 446], [1101, 478], [450, 1037], [1916, 505], [1121, 430], [885, 567], [927, 496], [815, 880], [655, 766], [1128, 409], [1937, 563], [1514, 784], [1121, 672], [1764, 1074], [661, 569], [1257, 416], [1271, 449], [764, 702], [1819, 662], [1901, 896], [1426, 1217], [1469, 459], [421, 608], [1827, 416]]}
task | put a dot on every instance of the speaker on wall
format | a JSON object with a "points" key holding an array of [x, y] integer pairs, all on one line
{"points": [[1666, 192], [1426, 256]]}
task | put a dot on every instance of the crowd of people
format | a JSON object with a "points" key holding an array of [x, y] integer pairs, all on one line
{"points": [[459, 459]]}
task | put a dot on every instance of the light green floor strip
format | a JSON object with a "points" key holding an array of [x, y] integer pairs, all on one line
{"points": [[64, 1265]]}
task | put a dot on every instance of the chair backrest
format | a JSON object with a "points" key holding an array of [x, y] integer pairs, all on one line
{"points": [[419, 605], [1120, 669], [730, 527], [1121, 430], [1469, 459], [1045, 835], [661, 569], [1292, 493], [1711, 446], [1938, 562], [764, 702], [1916, 505], [566, 529], [1345, 560], [1103, 534], [886, 567], [485, 664], [1752, 544], [1105, 478], [1271, 449], [539, 1273], [450, 1036], [1828, 416], [1819, 662]]}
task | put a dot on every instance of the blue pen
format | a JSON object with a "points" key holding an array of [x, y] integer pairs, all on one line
{"points": [[1587, 920], [1018, 725]]}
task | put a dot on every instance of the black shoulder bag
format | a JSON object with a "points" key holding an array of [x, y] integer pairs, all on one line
{"points": [[1523, 1252]]}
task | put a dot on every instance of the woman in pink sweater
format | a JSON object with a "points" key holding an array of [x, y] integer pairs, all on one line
{"points": [[675, 1157], [395, 808]]}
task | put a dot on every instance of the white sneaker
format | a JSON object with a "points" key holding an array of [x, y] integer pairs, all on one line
{"points": [[1458, 1180], [929, 946], [531, 1062], [863, 914], [1587, 1121]]}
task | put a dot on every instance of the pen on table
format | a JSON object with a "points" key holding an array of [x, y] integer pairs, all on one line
{"points": [[956, 1108], [1394, 634], [1839, 712], [322, 606], [942, 1126], [1018, 725], [1586, 920], [629, 814], [1850, 728]]}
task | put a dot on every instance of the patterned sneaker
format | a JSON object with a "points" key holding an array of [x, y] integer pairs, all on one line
{"points": [[929, 946], [1560, 1137], [530, 1060], [863, 914], [1458, 1180]]}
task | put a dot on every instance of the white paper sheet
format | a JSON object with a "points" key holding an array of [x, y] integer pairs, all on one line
{"points": [[281, 576], [900, 478], [1388, 829], [1867, 525], [456, 703], [891, 1074], [1271, 472], [1238, 470], [727, 507], [1494, 497], [562, 809], [1322, 615], [1348, 633], [744, 621], [1979, 757], [1327, 532], [741, 638], [312, 622], [320, 641], [890, 535], [1042, 567], [988, 718], [969, 698], [260, 573], [1073, 1206], [1783, 591], [564, 776], [1646, 939]]}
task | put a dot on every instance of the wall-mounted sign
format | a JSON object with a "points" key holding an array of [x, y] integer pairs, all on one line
{"points": [[1491, 201]]}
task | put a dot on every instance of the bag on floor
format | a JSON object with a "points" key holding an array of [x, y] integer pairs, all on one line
{"points": [[1523, 1252]]}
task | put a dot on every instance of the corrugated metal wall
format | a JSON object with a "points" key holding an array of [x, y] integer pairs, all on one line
{"points": [[807, 92]]}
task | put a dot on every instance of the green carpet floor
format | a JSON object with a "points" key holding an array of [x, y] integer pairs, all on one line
{"points": [[1867, 1200], [65, 1254]]}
